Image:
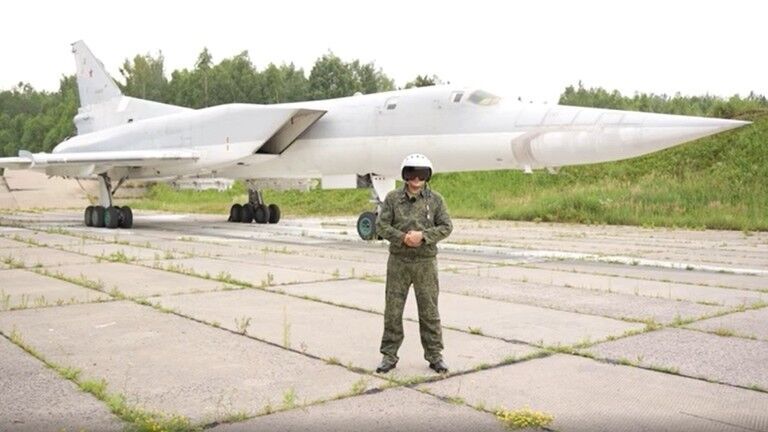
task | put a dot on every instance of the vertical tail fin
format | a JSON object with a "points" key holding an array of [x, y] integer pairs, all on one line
{"points": [[93, 82]]}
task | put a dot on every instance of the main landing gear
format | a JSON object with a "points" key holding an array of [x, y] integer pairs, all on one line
{"points": [[254, 210], [380, 187], [105, 215]]}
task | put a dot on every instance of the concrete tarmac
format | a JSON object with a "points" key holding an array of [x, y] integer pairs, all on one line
{"points": [[239, 327]]}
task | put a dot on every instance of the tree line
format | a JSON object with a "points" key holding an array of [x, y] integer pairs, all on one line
{"points": [[38, 120], [702, 106]]}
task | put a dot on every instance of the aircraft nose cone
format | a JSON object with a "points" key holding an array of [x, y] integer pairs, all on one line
{"points": [[616, 135], [663, 130], [724, 125], [712, 125]]}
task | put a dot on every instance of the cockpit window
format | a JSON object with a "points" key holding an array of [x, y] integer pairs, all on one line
{"points": [[481, 97], [391, 103], [456, 96]]}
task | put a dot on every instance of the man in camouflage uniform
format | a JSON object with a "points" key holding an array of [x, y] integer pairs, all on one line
{"points": [[413, 219]]}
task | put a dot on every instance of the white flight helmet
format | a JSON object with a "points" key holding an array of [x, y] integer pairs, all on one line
{"points": [[416, 161]]}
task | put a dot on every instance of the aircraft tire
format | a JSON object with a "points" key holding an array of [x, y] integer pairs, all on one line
{"points": [[235, 213], [126, 217], [88, 217], [274, 213], [112, 217], [247, 213], [97, 217], [261, 214], [366, 226]]}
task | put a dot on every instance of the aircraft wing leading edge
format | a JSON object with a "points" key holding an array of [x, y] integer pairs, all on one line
{"points": [[136, 158]]}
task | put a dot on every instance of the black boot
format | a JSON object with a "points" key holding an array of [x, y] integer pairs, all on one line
{"points": [[439, 366], [385, 366]]}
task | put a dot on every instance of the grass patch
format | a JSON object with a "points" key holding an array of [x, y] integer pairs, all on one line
{"points": [[119, 257], [12, 262], [665, 369], [725, 332], [456, 400], [359, 386], [289, 398], [82, 280], [524, 418], [475, 330], [376, 279], [314, 202]]}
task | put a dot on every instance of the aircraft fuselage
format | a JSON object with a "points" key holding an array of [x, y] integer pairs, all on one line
{"points": [[460, 130]]}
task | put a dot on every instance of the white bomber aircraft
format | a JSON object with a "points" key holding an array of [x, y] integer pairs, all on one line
{"points": [[349, 142]]}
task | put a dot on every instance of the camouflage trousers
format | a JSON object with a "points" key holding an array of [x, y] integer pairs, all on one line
{"points": [[422, 273]]}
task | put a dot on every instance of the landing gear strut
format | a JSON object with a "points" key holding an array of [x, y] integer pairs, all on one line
{"points": [[254, 210], [380, 187], [105, 214]]}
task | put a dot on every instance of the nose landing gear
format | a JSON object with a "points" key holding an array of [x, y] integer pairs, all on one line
{"points": [[380, 187], [366, 225]]}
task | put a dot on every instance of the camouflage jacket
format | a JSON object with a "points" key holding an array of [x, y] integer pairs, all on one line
{"points": [[426, 212]]}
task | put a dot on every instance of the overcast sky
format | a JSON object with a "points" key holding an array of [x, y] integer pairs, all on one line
{"points": [[522, 48]]}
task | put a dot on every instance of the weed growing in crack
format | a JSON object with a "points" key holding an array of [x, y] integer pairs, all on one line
{"points": [[476, 331], [524, 418], [242, 324], [289, 398], [359, 386], [725, 332], [120, 257], [13, 262], [286, 329]]}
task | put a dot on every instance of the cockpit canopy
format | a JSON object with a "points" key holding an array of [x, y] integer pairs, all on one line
{"points": [[482, 97], [477, 97]]}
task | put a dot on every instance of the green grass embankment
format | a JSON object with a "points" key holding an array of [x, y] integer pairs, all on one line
{"points": [[292, 203], [720, 182]]}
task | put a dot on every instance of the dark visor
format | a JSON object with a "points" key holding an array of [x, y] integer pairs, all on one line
{"points": [[410, 173]]}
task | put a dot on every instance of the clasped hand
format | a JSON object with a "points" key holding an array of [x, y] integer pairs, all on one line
{"points": [[413, 238]]}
